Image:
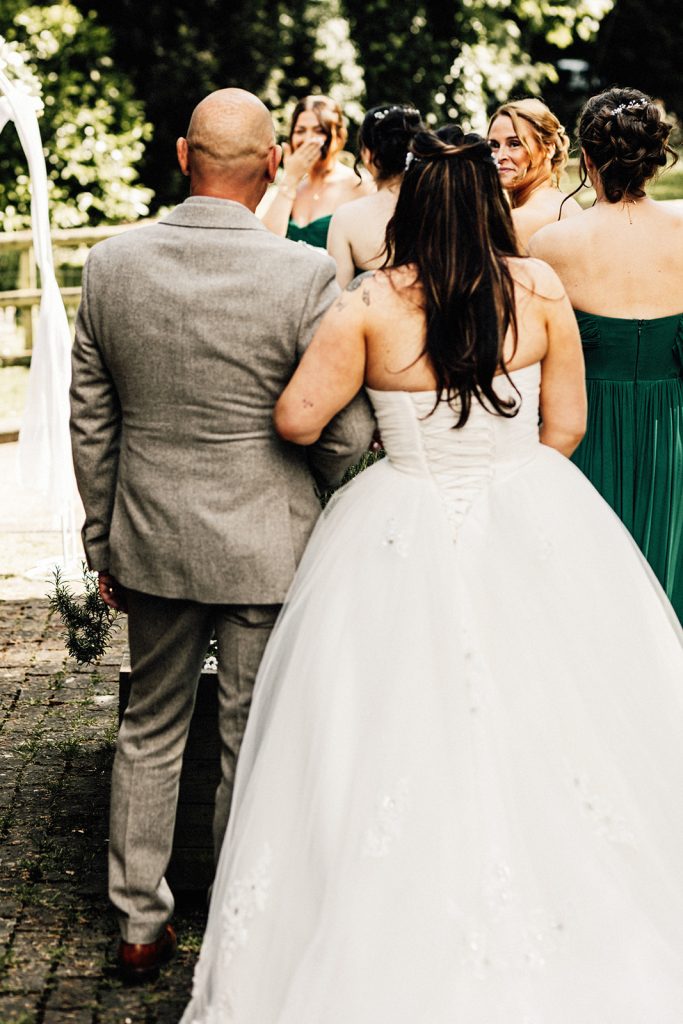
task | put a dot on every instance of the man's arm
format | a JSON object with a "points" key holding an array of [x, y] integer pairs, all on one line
{"points": [[350, 433], [95, 431]]}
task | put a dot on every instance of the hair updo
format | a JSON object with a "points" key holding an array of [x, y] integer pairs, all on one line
{"points": [[387, 132], [545, 127], [625, 135]]}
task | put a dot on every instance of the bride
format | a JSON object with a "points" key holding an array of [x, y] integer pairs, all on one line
{"points": [[458, 797]]}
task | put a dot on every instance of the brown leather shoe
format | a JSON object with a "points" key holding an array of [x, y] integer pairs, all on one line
{"points": [[140, 961]]}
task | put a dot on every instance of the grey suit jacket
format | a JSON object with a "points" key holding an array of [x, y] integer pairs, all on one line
{"points": [[187, 333]]}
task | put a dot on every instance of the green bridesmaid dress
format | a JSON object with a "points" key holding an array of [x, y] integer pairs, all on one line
{"points": [[314, 233], [633, 448]]}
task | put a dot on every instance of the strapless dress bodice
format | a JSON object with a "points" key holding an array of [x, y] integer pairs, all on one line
{"points": [[314, 233], [634, 351], [423, 441]]}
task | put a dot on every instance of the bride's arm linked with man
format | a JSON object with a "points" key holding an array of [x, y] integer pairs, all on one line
{"points": [[457, 794]]}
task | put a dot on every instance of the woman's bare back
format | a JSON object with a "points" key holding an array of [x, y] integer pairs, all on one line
{"points": [[396, 331], [357, 232], [619, 260]]}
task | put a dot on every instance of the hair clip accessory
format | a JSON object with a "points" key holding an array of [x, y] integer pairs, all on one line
{"points": [[631, 105], [409, 159], [379, 115]]}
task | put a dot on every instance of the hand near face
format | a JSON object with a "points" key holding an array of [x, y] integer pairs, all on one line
{"points": [[298, 162]]}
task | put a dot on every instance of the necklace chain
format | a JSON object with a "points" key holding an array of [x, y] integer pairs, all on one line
{"points": [[625, 203]]}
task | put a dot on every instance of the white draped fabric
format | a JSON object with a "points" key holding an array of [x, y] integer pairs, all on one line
{"points": [[458, 795], [44, 448]]}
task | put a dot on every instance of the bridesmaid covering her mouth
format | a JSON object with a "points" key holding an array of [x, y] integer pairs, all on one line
{"points": [[314, 182], [531, 149]]}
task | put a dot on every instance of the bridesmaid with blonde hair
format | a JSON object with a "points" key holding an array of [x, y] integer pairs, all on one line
{"points": [[531, 149]]}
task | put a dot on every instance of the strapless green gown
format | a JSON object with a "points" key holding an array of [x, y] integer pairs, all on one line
{"points": [[633, 448], [314, 233]]}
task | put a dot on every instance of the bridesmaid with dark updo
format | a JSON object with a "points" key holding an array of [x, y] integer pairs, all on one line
{"points": [[357, 229], [622, 266]]}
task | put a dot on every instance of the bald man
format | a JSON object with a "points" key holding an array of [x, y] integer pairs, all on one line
{"points": [[196, 512]]}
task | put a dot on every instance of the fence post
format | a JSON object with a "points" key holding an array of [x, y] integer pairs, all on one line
{"points": [[28, 278]]}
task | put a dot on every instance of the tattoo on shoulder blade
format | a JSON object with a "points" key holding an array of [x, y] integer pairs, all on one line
{"points": [[365, 295], [358, 281], [340, 304]]}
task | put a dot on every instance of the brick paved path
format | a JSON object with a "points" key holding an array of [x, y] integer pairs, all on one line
{"points": [[57, 933]]}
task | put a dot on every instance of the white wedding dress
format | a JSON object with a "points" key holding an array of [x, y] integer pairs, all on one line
{"points": [[460, 794]]}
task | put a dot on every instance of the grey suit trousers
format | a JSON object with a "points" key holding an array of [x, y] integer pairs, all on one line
{"points": [[168, 642]]}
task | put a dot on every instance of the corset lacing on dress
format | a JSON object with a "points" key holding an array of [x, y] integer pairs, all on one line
{"points": [[460, 471], [462, 462]]}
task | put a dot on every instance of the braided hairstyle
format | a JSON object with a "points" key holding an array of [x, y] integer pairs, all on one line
{"points": [[546, 129], [453, 224], [386, 132], [624, 134]]}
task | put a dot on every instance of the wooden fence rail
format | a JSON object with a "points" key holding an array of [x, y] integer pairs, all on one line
{"points": [[21, 298], [20, 278]]}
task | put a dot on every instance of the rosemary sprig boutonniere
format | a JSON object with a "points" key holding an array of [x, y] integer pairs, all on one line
{"points": [[88, 622]]}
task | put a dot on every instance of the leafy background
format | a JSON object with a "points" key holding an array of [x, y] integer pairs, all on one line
{"points": [[116, 80]]}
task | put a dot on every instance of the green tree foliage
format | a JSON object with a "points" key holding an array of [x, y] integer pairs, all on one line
{"points": [[456, 58], [453, 58], [176, 51], [639, 44], [450, 57], [406, 49], [93, 128]]}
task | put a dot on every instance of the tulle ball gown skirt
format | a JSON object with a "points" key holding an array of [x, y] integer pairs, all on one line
{"points": [[460, 795]]}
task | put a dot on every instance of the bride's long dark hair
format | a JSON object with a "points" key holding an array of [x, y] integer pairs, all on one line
{"points": [[452, 222]]}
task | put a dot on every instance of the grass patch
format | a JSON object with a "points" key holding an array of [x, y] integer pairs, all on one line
{"points": [[669, 184]]}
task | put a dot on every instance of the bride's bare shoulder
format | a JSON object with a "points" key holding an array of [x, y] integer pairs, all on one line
{"points": [[379, 281], [403, 281], [390, 290]]}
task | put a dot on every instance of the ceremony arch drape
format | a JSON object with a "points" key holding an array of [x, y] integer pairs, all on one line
{"points": [[45, 463]]}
